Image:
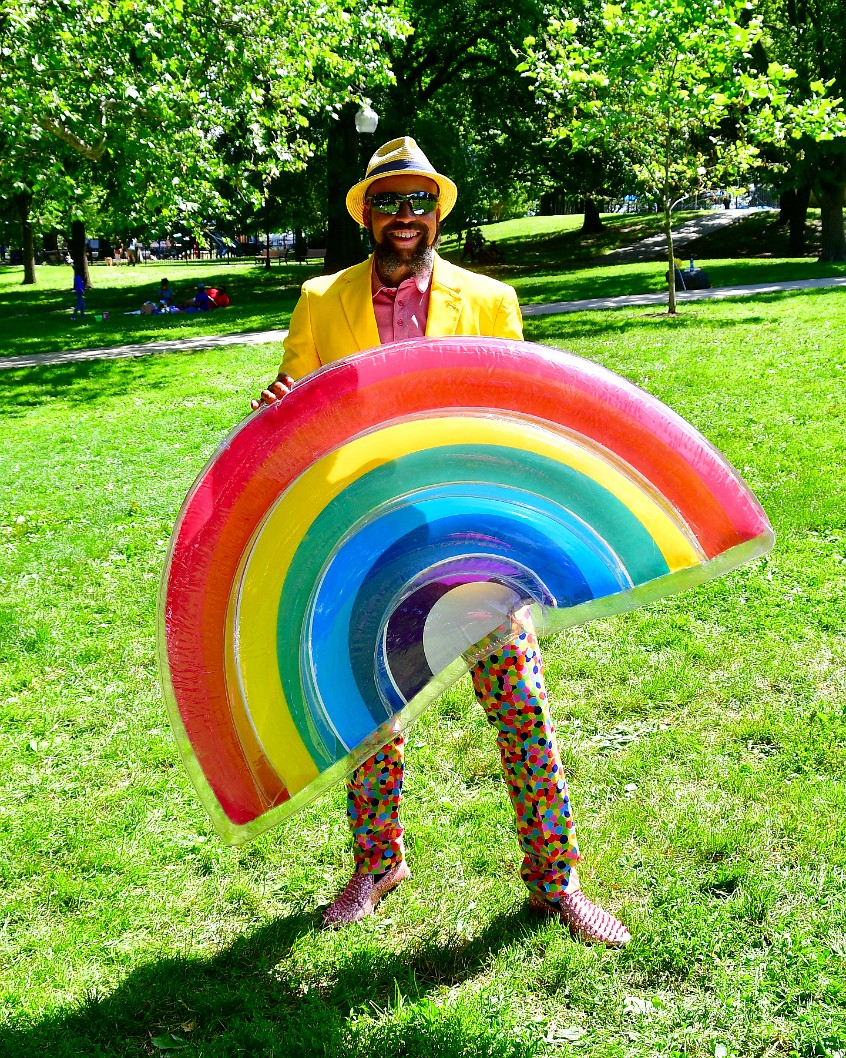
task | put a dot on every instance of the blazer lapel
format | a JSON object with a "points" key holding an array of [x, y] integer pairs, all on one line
{"points": [[445, 301], [357, 303]]}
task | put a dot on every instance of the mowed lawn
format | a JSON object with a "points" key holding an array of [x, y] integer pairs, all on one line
{"points": [[705, 740], [546, 259], [37, 319]]}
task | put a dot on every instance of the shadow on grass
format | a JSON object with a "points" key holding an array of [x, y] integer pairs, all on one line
{"points": [[249, 999], [569, 326], [54, 332], [80, 382], [87, 381], [582, 325], [636, 278]]}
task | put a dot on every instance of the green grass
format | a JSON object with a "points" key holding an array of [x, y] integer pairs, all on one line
{"points": [[705, 739], [557, 242], [618, 280], [546, 259], [550, 242], [36, 319]]}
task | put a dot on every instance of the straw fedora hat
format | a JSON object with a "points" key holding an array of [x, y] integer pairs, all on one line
{"points": [[400, 157]]}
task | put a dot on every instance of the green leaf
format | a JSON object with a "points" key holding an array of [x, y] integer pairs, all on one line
{"points": [[168, 1042]]}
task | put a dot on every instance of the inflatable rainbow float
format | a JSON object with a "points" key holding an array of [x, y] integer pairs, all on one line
{"points": [[341, 554]]}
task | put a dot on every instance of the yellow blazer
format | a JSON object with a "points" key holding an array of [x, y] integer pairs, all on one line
{"points": [[334, 317]]}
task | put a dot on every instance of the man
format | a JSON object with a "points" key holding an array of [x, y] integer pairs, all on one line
{"points": [[405, 290], [201, 302], [79, 292]]}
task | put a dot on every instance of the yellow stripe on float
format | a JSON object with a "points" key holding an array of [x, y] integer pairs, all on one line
{"points": [[289, 519]]}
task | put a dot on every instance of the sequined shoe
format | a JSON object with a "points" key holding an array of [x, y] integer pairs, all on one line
{"points": [[362, 893], [586, 922]]}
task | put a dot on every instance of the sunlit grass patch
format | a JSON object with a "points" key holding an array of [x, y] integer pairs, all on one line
{"points": [[704, 737]]}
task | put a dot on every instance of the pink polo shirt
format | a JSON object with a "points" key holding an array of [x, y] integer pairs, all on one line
{"points": [[401, 312]]}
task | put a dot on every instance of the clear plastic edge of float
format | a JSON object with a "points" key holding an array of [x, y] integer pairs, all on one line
{"points": [[547, 622]]}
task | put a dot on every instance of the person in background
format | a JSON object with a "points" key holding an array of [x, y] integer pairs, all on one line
{"points": [[79, 291], [201, 302], [165, 293], [218, 296]]}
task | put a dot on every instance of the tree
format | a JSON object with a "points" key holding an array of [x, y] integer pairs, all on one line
{"points": [[811, 36], [28, 177], [453, 85], [156, 92], [673, 82]]}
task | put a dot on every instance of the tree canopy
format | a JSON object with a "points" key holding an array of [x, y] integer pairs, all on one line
{"points": [[178, 98], [811, 36], [675, 83]]}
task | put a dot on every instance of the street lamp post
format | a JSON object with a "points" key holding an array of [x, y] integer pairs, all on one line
{"points": [[343, 165], [366, 121]]}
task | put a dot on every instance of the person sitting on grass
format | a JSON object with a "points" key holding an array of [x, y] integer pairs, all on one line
{"points": [[201, 302], [164, 294], [219, 297]]}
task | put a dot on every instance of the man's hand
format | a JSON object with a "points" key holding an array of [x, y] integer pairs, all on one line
{"points": [[275, 391]]}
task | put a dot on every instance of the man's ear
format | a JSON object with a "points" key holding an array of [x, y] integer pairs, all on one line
{"points": [[365, 215]]}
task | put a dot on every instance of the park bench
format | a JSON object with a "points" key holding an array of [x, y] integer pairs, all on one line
{"points": [[273, 253]]}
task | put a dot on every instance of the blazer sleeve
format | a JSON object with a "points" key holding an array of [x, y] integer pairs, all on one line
{"points": [[300, 357], [509, 319]]}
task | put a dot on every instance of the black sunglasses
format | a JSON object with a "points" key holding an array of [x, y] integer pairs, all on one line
{"points": [[391, 202]]}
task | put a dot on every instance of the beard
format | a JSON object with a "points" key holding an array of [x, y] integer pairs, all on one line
{"points": [[418, 261]]}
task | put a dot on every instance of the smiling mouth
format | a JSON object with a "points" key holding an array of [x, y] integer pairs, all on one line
{"points": [[404, 234]]}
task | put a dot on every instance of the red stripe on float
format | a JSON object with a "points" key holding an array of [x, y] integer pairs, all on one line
{"points": [[271, 449]]}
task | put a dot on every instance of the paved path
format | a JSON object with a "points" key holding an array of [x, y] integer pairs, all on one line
{"points": [[553, 308], [114, 352], [654, 248], [638, 300]]}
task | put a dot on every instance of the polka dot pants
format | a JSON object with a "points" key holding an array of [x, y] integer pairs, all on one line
{"points": [[510, 687]]}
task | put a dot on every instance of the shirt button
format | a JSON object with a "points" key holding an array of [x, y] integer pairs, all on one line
{"points": [[399, 323], [399, 304]]}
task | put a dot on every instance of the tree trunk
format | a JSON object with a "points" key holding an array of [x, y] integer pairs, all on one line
{"points": [[267, 239], [793, 206], [78, 251], [671, 261], [831, 213], [343, 242], [27, 239], [593, 222]]}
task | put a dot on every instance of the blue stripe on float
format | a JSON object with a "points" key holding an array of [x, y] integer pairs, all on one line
{"points": [[369, 573], [541, 479]]}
